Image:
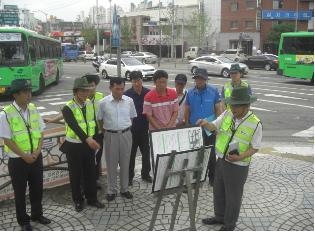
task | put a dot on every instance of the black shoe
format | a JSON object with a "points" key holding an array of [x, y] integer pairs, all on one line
{"points": [[98, 186], [147, 179], [42, 220], [26, 227], [224, 228], [130, 183], [127, 195], [78, 206], [110, 197], [96, 204], [211, 221]]}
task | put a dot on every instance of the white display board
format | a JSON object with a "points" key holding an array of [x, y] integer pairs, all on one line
{"points": [[183, 139], [173, 181]]}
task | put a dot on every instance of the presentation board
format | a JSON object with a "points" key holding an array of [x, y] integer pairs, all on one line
{"points": [[174, 180], [179, 139]]}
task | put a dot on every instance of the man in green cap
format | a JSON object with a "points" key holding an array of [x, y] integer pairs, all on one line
{"points": [[239, 134], [21, 128], [79, 145], [235, 74]]}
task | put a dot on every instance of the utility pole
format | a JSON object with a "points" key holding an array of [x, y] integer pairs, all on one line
{"points": [[159, 61], [110, 28], [296, 15], [172, 39], [97, 31]]}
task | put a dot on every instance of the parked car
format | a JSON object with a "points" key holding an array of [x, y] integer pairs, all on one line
{"points": [[192, 52], [145, 57], [109, 68], [85, 55], [265, 61], [234, 54], [215, 65]]}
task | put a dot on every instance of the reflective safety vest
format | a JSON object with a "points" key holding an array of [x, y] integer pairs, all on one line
{"points": [[228, 90], [243, 134], [97, 97], [87, 125], [26, 135]]}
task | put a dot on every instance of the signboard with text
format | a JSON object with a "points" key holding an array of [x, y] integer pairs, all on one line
{"points": [[9, 15], [286, 15]]}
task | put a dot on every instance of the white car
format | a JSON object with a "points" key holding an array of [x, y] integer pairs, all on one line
{"points": [[86, 55], [215, 65], [145, 57], [236, 55], [109, 68]]}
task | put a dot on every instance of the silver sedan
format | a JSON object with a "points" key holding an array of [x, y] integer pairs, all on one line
{"points": [[215, 65]]}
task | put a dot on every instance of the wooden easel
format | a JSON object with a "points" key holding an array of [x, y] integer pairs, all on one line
{"points": [[184, 181]]}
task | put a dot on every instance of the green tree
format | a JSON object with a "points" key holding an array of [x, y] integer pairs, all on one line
{"points": [[126, 32], [274, 34], [89, 35], [197, 26]]}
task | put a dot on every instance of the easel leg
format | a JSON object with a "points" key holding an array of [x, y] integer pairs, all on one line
{"points": [[190, 203]]}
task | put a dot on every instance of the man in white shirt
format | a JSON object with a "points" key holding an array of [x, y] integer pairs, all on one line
{"points": [[115, 115]]}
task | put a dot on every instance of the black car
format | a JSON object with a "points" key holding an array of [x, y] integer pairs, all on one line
{"points": [[267, 62]]}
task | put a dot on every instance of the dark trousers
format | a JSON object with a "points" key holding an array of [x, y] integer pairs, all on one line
{"points": [[22, 174], [140, 139], [98, 157], [81, 165], [210, 140], [228, 191]]}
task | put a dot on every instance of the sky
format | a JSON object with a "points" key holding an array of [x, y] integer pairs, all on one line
{"points": [[68, 9]]}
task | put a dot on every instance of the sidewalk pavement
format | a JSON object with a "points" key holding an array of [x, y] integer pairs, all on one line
{"points": [[278, 196]]}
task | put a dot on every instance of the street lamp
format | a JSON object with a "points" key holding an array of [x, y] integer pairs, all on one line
{"points": [[97, 31], [296, 15]]}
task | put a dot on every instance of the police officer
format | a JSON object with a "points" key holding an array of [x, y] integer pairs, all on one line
{"points": [[95, 97], [235, 74], [21, 128], [238, 139], [79, 146]]}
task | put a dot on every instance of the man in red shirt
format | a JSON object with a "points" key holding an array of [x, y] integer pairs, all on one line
{"points": [[161, 103]]}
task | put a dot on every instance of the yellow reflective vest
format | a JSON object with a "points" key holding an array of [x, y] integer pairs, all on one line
{"points": [[86, 124], [228, 90], [97, 97], [243, 134], [26, 135]]}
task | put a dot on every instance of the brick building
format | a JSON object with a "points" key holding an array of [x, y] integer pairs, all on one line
{"points": [[251, 20]]}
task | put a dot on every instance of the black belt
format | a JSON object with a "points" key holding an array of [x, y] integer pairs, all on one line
{"points": [[118, 131]]}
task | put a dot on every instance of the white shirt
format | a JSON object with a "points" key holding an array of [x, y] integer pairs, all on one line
{"points": [[181, 110], [116, 115], [256, 140]]}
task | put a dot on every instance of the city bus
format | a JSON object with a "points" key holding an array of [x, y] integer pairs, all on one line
{"points": [[296, 55], [69, 51], [25, 54]]}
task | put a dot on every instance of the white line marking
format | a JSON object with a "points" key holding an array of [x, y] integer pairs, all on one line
{"points": [[305, 133], [283, 96], [290, 92], [261, 109], [47, 100], [40, 108], [58, 103], [49, 113], [45, 96], [299, 105]]}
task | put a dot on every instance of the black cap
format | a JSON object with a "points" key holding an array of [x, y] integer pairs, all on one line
{"points": [[92, 78], [19, 85], [201, 73], [181, 78]]}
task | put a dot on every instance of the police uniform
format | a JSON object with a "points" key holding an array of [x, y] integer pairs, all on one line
{"points": [[24, 128]]}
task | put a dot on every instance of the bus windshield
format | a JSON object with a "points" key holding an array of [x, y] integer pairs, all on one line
{"points": [[12, 51], [298, 45]]}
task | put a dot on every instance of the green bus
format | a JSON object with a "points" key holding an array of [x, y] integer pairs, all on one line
{"points": [[296, 55], [27, 54]]}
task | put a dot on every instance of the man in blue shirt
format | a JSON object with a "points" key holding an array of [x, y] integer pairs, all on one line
{"points": [[139, 128], [203, 101]]}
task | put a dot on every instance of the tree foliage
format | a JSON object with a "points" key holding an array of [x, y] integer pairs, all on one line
{"points": [[197, 26], [89, 35], [126, 32], [275, 33]]}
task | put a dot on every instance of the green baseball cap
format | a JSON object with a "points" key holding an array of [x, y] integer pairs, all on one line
{"points": [[239, 96], [81, 83]]}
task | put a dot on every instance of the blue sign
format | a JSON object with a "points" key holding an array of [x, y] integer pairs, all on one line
{"points": [[116, 29], [286, 15]]}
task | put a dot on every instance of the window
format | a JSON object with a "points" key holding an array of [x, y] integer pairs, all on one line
{"points": [[234, 6], [251, 4], [249, 24], [233, 24]]}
